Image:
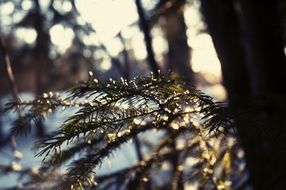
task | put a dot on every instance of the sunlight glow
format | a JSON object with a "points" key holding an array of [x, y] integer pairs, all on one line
{"points": [[217, 91], [61, 37], [160, 47], [18, 16], [107, 17], [137, 43], [26, 5], [7, 8], [204, 58], [63, 6], [114, 46], [28, 35], [105, 65], [90, 39], [159, 43], [124, 13]]}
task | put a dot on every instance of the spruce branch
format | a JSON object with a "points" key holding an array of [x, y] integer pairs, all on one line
{"points": [[110, 114]]}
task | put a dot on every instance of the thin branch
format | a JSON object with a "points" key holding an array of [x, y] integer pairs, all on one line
{"points": [[7, 62], [14, 89], [148, 39], [126, 73]]}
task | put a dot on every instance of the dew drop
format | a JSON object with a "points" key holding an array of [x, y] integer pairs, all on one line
{"points": [[137, 121], [175, 126], [165, 118], [18, 154], [145, 179], [34, 170], [16, 166], [111, 137], [181, 168]]}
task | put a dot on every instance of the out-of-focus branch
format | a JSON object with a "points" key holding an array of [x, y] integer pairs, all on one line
{"points": [[148, 40], [7, 62], [14, 89], [127, 73]]}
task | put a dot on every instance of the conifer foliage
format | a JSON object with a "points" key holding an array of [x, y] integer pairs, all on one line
{"points": [[196, 146]]}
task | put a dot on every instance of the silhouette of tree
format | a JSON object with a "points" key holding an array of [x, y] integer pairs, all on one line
{"points": [[250, 46]]}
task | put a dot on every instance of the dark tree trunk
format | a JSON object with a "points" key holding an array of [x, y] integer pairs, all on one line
{"points": [[249, 44], [223, 26], [1, 123], [262, 133], [147, 36], [41, 49], [263, 39], [42, 57], [179, 51], [264, 139]]}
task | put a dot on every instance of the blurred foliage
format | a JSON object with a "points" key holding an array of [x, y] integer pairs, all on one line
{"points": [[197, 146], [45, 65], [62, 67]]}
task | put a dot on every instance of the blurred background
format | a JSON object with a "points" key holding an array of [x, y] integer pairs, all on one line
{"points": [[54, 43]]}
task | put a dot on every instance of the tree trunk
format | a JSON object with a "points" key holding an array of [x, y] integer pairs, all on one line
{"points": [[263, 40], [253, 65], [179, 51], [41, 50], [147, 36], [264, 139], [223, 26], [1, 124]]}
